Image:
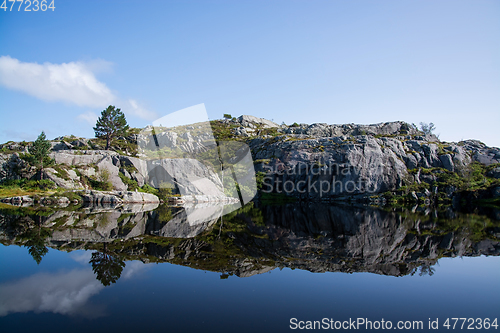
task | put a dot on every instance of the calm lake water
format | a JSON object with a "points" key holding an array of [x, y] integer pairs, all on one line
{"points": [[172, 269]]}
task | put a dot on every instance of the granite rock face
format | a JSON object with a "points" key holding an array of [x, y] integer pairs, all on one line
{"points": [[252, 122], [352, 165], [309, 161], [187, 175], [322, 160], [71, 182], [13, 167]]}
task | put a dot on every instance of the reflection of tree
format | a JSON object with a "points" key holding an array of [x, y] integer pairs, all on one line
{"points": [[37, 250], [164, 213], [36, 240], [106, 266], [424, 270]]}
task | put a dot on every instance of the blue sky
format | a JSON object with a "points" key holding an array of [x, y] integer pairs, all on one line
{"points": [[293, 61]]}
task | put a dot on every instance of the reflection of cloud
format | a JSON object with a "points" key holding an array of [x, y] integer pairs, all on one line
{"points": [[132, 268], [82, 257], [63, 293]]}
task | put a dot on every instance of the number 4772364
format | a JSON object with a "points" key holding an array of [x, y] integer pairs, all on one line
{"points": [[29, 5]]}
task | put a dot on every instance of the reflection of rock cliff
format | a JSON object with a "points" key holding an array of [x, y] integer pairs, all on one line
{"points": [[323, 238], [314, 237], [107, 223]]}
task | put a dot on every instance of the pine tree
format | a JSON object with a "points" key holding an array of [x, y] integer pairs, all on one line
{"points": [[40, 152], [111, 123]]}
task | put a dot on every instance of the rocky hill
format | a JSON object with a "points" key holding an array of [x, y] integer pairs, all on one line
{"points": [[313, 162]]}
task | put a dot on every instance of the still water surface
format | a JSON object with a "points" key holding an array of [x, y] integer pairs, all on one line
{"points": [[133, 270]]}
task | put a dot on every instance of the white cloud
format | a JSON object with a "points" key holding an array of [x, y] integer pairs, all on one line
{"points": [[90, 117], [99, 66], [133, 108], [71, 82]]}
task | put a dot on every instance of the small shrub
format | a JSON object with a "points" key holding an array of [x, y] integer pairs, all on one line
{"points": [[46, 184], [101, 183], [388, 195], [104, 175], [259, 178], [62, 173], [427, 128], [146, 188], [70, 195], [10, 183], [129, 167], [131, 184], [164, 192], [25, 184]]}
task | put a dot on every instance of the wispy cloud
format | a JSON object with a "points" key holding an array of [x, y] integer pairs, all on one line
{"points": [[71, 82], [89, 117], [137, 110]]}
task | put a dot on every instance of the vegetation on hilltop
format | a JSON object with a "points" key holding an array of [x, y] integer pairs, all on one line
{"points": [[111, 123], [38, 153]]}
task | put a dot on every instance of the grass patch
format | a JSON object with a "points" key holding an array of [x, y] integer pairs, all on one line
{"points": [[72, 196], [21, 187], [61, 173], [131, 184], [224, 132]]}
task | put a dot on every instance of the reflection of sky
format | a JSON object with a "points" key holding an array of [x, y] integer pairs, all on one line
{"points": [[175, 298], [66, 292]]}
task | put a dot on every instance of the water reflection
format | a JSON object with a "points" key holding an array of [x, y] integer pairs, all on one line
{"points": [[107, 266], [424, 270], [34, 235], [65, 293], [258, 238], [35, 242]]}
